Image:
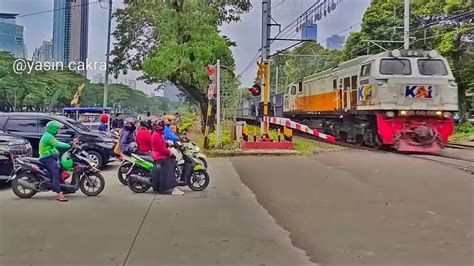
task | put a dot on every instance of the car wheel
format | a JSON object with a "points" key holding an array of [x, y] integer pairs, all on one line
{"points": [[96, 158]]}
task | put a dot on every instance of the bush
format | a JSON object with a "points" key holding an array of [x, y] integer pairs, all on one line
{"points": [[466, 128]]}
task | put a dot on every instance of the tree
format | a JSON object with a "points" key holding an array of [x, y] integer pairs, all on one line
{"points": [[53, 90], [173, 40]]}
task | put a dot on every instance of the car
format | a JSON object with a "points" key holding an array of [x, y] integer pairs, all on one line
{"points": [[31, 126], [11, 147]]}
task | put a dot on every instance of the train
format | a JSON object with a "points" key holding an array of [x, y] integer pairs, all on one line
{"points": [[401, 99]]}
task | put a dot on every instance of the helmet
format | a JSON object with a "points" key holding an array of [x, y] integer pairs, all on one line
{"points": [[159, 124], [169, 117], [104, 118], [146, 124], [66, 161], [130, 123], [53, 127]]}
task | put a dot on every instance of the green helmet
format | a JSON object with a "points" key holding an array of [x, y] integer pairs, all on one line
{"points": [[66, 161], [52, 127]]}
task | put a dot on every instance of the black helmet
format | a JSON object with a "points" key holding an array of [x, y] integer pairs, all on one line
{"points": [[159, 124], [130, 123], [146, 124]]}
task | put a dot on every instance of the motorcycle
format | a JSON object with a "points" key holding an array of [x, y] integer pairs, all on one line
{"points": [[139, 177], [30, 176], [126, 165]]}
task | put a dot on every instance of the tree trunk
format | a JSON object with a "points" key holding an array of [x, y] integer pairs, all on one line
{"points": [[211, 120]]}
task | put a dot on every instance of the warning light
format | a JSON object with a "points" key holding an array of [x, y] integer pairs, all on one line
{"points": [[255, 90]]}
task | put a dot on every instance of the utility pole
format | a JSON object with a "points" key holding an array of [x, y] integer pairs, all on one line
{"points": [[218, 103], [276, 81], [406, 35], [106, 81], [266, 32]]}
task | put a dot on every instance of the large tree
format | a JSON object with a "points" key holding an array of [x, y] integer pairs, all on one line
{"points": [[173, 40]]}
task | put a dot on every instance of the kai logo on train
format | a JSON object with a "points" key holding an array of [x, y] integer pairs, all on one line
{"points": [[364, 93], [419, 92]]}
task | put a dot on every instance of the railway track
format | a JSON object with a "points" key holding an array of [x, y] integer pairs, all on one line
{"points": [[458, 162]]}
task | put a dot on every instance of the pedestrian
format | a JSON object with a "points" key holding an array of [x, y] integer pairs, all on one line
{"points": [[117, 123], [164, 180], [49, 156], [104, 121]]}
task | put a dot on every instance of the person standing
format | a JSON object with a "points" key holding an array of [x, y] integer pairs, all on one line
{"points": [[164, 180]]}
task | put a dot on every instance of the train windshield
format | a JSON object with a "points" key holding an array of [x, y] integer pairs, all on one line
{"points": [[395, 67], [432, 67]]}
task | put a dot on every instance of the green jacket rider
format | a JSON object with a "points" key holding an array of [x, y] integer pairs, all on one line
{"points": [[49, 155]]}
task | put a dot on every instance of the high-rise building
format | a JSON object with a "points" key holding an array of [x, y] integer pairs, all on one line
{"points": [[11, 35], [309, 31], [70, 31], [44, 53], [335, 42]]}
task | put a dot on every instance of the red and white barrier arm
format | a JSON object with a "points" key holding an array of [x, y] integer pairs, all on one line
{"points": [[286, 122]]}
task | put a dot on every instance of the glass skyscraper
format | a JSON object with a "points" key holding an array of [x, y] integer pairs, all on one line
{"points": [[11, 36], [70, 31]]}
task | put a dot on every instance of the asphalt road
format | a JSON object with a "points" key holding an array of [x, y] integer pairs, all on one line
{"points": [[223, 225], [367, 208]]}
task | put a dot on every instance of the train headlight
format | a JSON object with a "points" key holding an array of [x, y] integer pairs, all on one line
{"points": [[396, 53], [403, 112], [433, 54], [447, 115], [390, 114], [439, 113]]}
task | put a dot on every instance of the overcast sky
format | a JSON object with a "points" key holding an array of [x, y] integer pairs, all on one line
{"points": [[246, 33]]}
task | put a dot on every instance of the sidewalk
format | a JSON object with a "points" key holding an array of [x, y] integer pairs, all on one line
{"points": [[222, 225]]}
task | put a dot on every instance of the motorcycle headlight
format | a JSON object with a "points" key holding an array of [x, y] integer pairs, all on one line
{"points": [[198, 149]]}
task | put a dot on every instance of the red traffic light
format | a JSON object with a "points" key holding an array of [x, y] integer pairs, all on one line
{"points": [[255, 90]]}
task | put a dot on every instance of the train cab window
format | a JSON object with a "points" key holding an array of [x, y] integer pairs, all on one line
{"points": [[354, 83], [395, 67], [365, 70], [334, 84], [293, 90], [432, 67]]}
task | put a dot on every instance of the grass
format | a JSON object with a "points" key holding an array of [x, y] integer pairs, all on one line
{"points": [[187, 120], [463, 132]]}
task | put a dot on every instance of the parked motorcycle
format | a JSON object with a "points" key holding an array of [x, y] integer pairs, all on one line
{"points": [[77, 172], [139, 178]]}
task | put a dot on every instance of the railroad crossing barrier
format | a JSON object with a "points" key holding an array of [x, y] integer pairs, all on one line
{"points": [[300, 127]]}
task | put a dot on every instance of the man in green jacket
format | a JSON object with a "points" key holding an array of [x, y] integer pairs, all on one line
{"points": [[49, 155]]}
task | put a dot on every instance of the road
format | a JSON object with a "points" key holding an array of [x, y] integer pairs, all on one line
{"points": [[338, 208], [367, 208], [223, 225]]}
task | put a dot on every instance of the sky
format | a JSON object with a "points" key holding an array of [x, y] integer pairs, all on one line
{"points": [[245, 33]]}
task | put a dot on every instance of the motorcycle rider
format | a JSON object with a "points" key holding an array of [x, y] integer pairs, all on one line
{"points": [[164, 179], [127, 136], [49, 156], [144, 137], [169, 134]]}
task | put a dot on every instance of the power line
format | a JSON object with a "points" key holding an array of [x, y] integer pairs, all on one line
{"points": [[251, 63], [52, 10], [277, 5]]}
